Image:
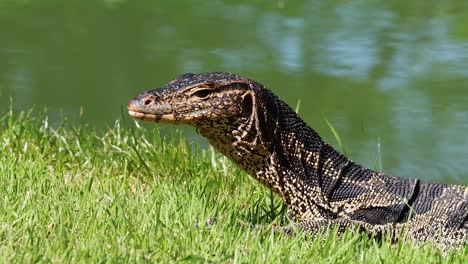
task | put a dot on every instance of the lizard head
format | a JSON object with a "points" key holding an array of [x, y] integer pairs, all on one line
{"points": [[194, 98]]}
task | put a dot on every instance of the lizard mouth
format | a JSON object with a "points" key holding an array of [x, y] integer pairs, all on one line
{"points": [[166, 118], [142, 116]]}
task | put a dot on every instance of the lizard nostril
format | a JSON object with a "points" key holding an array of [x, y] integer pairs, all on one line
{"points": [[148, 101]]}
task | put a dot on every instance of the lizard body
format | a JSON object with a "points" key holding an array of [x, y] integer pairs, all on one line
{"points": [[260, 133]]}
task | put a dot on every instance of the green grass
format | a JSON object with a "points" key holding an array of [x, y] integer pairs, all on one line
{"points": [[72, 194]]}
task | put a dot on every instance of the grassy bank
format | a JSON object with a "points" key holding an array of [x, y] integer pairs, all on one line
{"points": [[69, 193]]}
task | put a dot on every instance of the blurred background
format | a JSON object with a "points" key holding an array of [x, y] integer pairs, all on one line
{"points": [[394, 72]]}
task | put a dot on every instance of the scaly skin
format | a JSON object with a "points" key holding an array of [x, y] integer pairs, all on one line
{"points": [[250, 125]]}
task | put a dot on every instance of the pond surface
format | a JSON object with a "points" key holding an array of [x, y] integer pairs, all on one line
{"points": [[392, 74]]}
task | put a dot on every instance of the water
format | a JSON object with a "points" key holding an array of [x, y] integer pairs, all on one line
{"points": [[392, 74]]}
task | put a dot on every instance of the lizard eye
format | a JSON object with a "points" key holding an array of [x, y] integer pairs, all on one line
{"points": [[202, 93]]}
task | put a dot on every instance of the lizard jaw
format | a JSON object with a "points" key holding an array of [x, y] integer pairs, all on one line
{"points": [[167, 118]]}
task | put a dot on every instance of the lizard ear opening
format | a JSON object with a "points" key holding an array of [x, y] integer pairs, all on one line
{"points": [[247, 103]]}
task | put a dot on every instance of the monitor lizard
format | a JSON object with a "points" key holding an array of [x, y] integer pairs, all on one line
{"points": [[321, 187]]}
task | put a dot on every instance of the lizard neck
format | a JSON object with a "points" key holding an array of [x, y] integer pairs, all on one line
{"points": [[275, 146], [313, 178]]}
